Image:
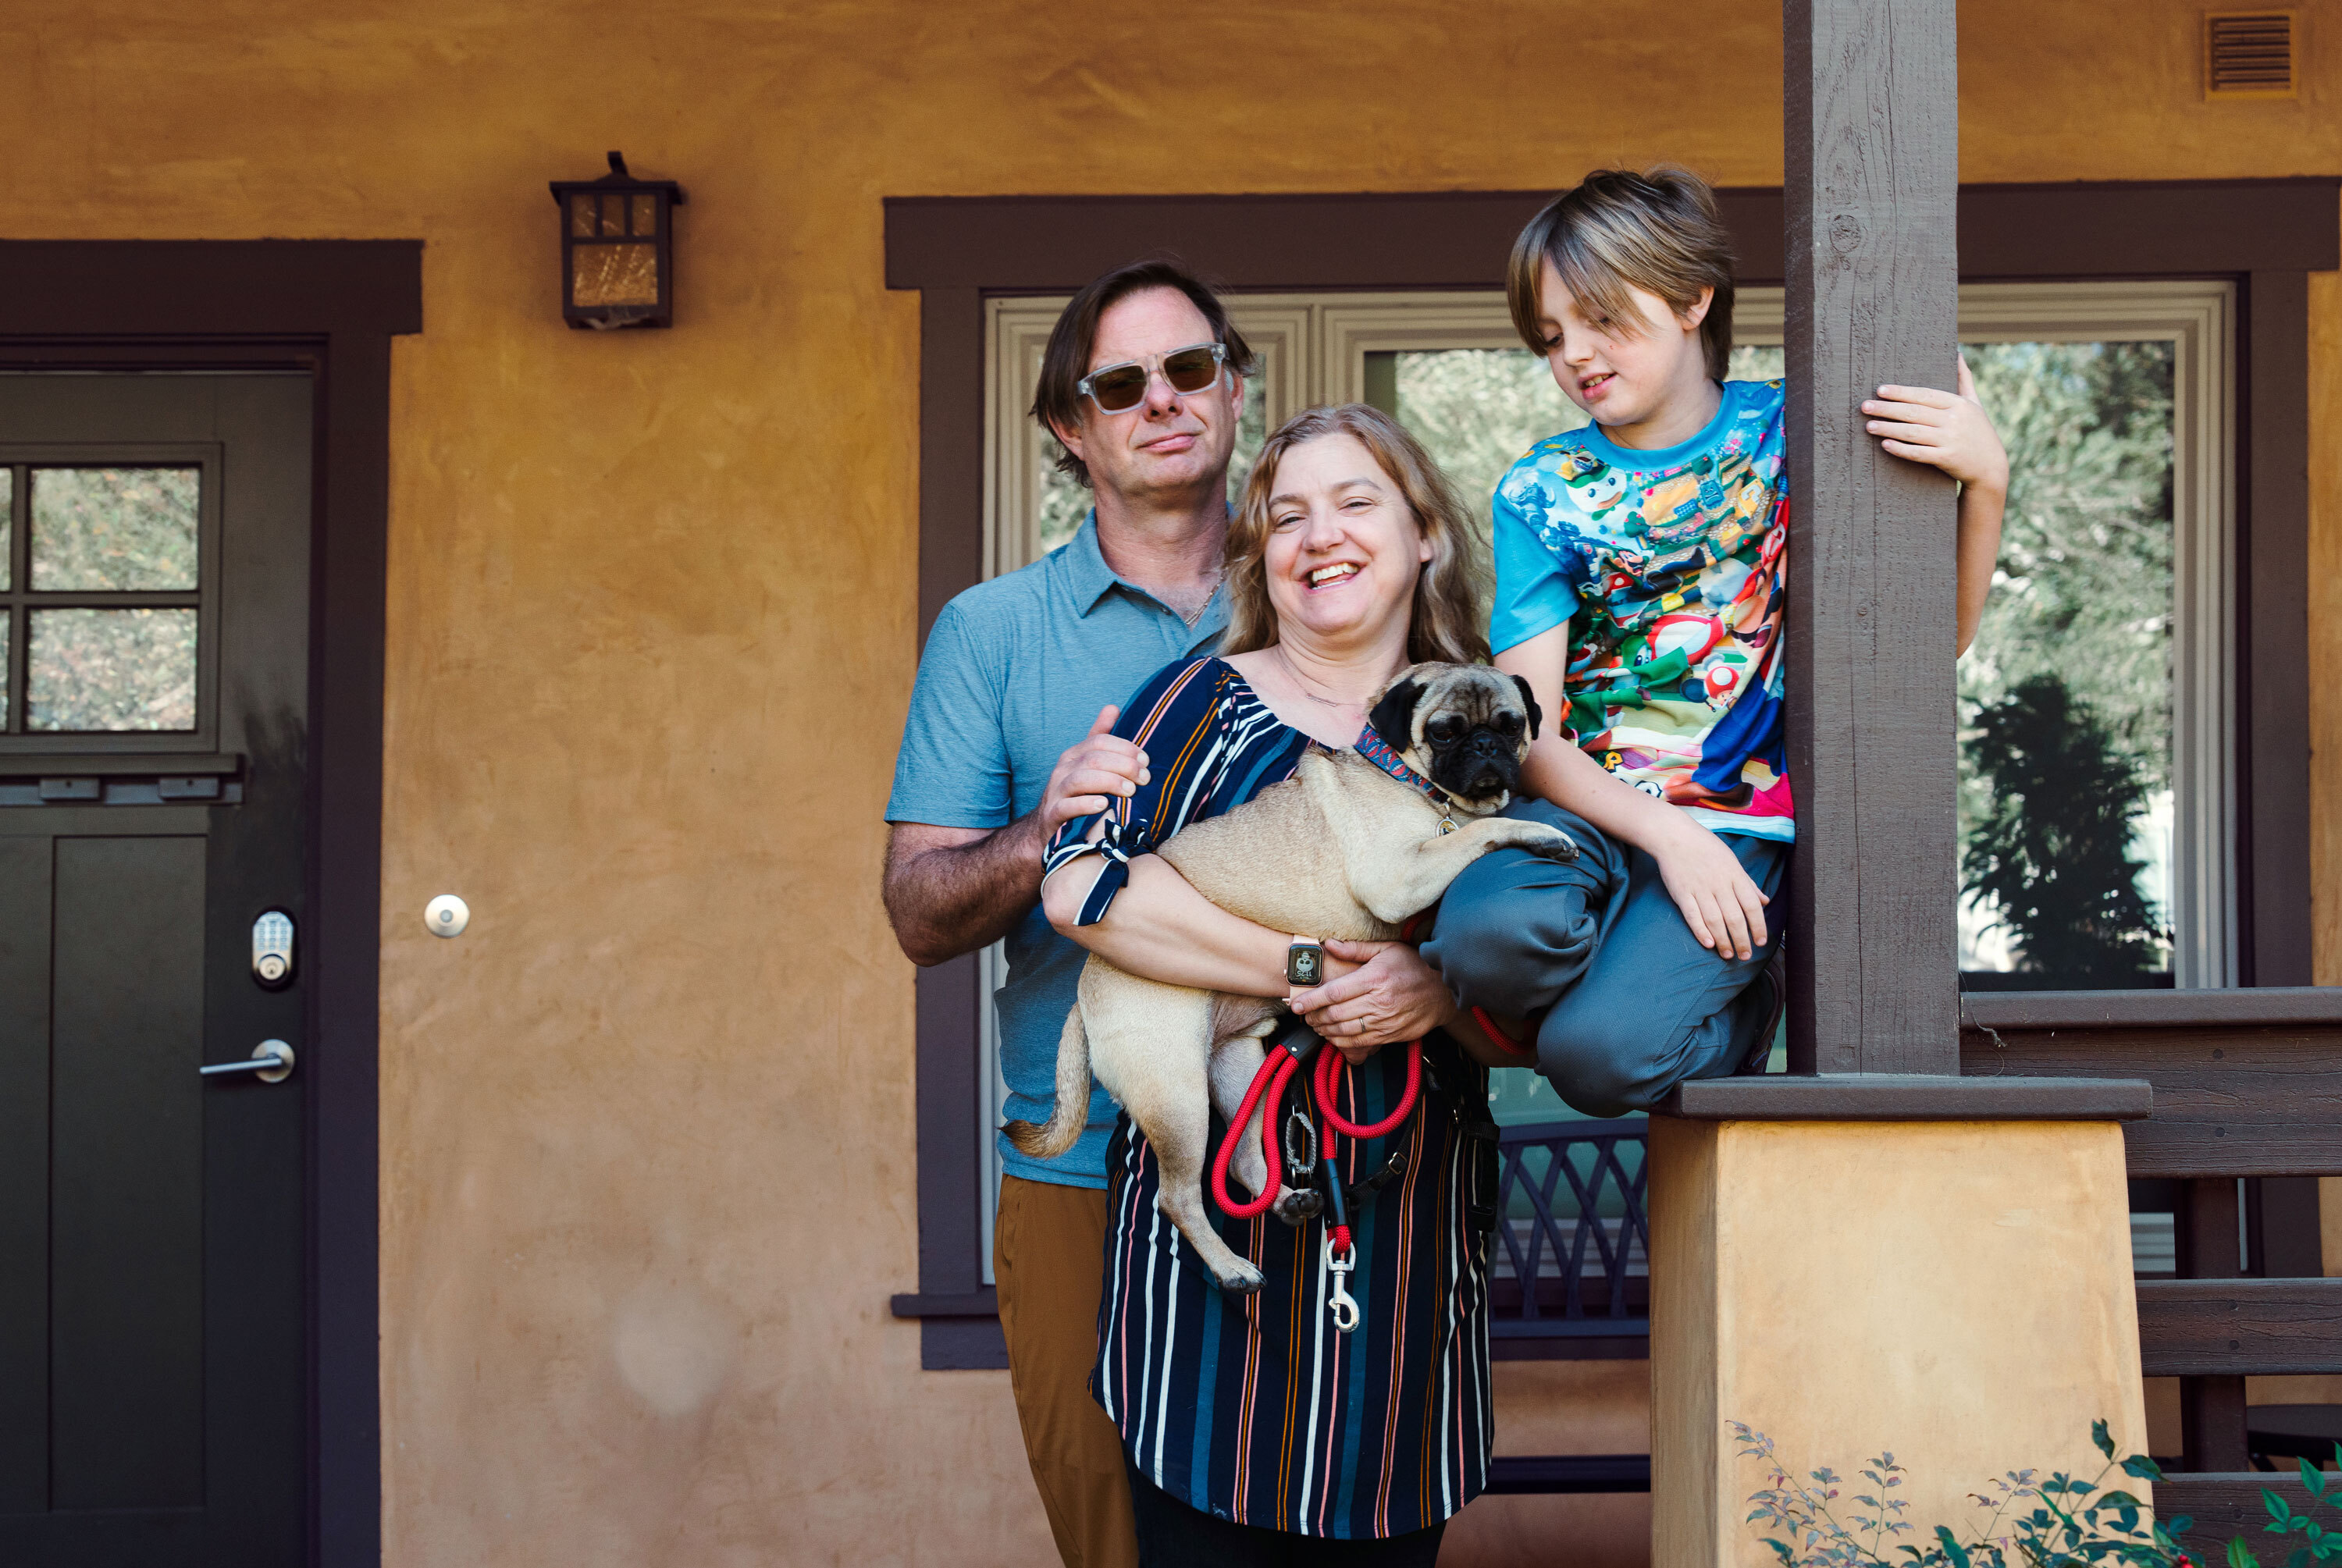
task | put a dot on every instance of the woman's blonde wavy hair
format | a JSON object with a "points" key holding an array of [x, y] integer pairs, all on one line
{"points": [[1448, 623]]}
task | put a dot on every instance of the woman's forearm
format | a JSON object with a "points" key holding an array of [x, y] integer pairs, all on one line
{"points": [[1160, 927]]}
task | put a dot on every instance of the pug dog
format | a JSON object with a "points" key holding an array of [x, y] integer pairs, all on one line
{"points": [[1343, 849]]}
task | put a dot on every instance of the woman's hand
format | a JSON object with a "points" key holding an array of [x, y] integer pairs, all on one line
{"points": [[1724, 908], [1391, 996], [1946, 429]]}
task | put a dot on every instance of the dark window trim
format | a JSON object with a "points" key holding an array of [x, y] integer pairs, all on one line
{"points": [[329, 307], [2266, 235]]}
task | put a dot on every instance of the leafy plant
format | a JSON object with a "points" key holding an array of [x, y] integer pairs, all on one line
{"points": [[2318, 1545], [2061, 1522]]}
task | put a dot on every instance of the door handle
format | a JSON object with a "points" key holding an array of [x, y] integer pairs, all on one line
{"points": [[271, 1063]]}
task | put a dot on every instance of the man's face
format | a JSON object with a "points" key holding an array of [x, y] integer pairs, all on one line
{"points": [[1173, 446]]}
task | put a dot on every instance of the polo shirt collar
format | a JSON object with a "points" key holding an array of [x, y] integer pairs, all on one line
{"points": [[1092, 579], [1089, 574]]}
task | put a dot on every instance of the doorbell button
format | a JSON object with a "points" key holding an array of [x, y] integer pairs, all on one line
{"points": [[446, 915], [272, 949]]}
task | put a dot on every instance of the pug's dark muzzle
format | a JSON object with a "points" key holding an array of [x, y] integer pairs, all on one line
{"points": [[1480, 766]]}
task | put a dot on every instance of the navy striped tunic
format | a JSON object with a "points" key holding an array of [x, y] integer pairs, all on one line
{"points": [[1255, 1409]]}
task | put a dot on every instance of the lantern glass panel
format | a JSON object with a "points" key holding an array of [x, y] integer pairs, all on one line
{"points": [[646, 215], [614, 274], [614, 215], [581, 215]]}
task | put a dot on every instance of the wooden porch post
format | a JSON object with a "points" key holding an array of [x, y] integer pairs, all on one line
{"points": [[1873, 1254], [1872, 120]]}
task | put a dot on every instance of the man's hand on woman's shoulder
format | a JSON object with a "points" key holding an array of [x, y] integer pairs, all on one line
{"points": [[1093, 773]]}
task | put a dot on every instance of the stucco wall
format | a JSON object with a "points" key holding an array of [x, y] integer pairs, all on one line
{"points": [[647, 1184]]}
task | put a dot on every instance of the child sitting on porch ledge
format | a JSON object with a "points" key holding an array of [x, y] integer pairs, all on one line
{"points": [[1641, 591]]}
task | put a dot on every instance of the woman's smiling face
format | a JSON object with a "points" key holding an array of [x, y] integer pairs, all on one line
{"points": [[1344, 547]]}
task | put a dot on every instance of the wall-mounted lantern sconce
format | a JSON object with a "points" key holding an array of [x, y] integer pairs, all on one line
{"points": [[617, 249]]}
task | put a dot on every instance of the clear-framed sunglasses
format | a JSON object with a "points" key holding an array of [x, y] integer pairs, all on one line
{"points": [[1119, 388]]}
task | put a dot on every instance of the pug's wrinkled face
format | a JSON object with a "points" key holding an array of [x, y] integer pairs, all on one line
{"points": [[1465, 727]]}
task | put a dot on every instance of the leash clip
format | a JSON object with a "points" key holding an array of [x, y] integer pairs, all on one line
{"points": [[1339, 1302]]}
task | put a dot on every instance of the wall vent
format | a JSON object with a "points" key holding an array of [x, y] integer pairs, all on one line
{"points": [[2248, 54]]}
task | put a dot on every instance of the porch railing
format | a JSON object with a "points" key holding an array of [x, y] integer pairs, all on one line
{"points": [[2248, 1083]]}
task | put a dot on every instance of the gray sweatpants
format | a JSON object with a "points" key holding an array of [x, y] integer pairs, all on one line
{"points": [[1637, 1004]]}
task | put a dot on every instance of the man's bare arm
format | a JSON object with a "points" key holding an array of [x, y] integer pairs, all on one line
{"points": [[952, 890]]}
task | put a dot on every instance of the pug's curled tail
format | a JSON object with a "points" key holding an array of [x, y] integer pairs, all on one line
{"points": [[1072, 1111]]}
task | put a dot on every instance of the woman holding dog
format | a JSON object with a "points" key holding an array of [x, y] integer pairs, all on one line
{"points": [[1255, 1431]]}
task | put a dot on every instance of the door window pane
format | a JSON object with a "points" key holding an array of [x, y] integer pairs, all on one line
{"points": [[111, 670], [2066, 797], [113, 528]]}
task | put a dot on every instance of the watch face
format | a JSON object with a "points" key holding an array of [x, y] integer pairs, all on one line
{"points": [[1304, 965]]}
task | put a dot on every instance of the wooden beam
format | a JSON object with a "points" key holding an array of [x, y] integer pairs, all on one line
{"points": [[1872, 177], [2239, 1327], [2225, 1506], [2229, 1099], [2211, 1408], [1905, 1097]]}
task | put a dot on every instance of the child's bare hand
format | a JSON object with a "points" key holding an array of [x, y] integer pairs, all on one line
{"points": [[1725, 909], [1950, 430]]}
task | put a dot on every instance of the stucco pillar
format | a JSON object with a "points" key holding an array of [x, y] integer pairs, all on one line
{"points": [[1956, 1293]]}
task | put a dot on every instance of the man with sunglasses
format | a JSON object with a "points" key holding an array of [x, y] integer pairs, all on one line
{"points": [[1142, 384]]}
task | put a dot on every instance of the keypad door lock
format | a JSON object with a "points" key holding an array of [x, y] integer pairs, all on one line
{"points": [[272, 950]]}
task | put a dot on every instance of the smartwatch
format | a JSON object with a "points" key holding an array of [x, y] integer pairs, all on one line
{"points": [[1305, 962]]}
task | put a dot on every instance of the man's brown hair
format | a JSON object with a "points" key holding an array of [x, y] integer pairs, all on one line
{"points": [[1066, 359], [1658, 231]]}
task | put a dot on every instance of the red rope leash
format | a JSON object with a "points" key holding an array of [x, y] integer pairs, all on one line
{"points": [[1271, 1081], [1504, 1041], [1274, 1073], [1331, 1066], [1277, 1072]]}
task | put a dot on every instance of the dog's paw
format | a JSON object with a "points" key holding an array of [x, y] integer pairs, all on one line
{"points": [[1297, 1205], [1553, 845], [1240, 1279]]}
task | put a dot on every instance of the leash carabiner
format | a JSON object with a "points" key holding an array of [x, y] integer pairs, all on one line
{"points": [[1339, 1303]]}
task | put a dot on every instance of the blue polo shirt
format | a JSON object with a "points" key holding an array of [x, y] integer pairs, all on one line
{"points": [[1016, 670]]}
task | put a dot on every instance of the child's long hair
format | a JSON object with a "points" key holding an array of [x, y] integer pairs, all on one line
{"points": [[1658, 231], [1448, 623]]}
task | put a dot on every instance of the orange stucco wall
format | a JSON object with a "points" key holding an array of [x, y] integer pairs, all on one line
{"points": [[645, 1178]]}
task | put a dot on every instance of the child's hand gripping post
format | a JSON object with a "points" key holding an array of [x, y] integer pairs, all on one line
{"points": [[1951, 431]]}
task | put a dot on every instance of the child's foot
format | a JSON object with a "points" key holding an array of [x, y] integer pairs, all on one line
{"points": [[1775, 978]]}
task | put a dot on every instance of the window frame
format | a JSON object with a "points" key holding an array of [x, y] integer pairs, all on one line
{"points": [[21, 600], [2263, 236]]}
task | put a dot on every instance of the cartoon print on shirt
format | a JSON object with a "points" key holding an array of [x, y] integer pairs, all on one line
{"points": [[1593, 485], [1675, 672]]}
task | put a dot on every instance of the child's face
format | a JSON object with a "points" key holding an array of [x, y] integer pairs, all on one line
{"points": [[1626, 374]]}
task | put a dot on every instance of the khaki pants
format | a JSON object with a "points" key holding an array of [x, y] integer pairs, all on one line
{"points": [[1048, 1248]]}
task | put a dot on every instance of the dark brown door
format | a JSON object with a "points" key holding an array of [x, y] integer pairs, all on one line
{"points": [[153, 592]]}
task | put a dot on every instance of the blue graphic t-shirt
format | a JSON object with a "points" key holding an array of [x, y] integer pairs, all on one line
{"points": [[1673, 565]]}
